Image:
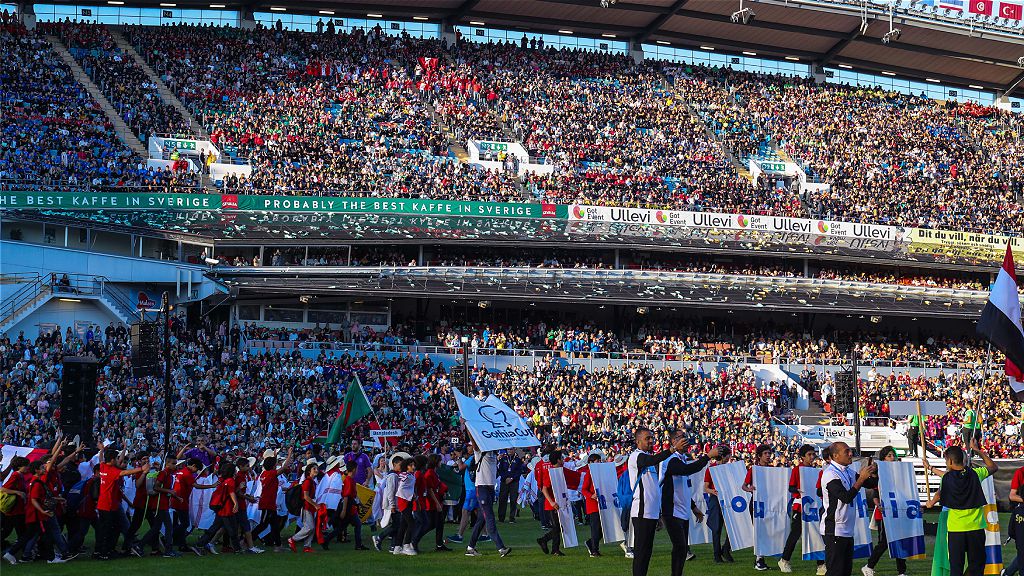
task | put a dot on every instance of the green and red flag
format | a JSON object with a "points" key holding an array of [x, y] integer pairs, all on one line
{"points": [[354, 408]]}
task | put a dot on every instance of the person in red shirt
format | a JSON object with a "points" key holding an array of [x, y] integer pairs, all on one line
{"points": [[762, 457], [15, 519], [140, 511], [807, 454], [572, 479], [158, 511], [108, 505], [592, 507], [225, 501], [244, 465], [715, 520], [308, 530], [348, 508], [432, 491], [267, 505], [888, 454], [184, 482]]}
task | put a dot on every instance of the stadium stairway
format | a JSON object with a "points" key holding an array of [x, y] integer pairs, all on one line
{"points": [[123, 132], [733, 158], [165, 93]]}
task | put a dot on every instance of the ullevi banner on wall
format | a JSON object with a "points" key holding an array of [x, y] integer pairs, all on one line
{"points": [[722, 221]]}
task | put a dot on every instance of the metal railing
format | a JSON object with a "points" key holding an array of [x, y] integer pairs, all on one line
{"points": [[31, 290]]}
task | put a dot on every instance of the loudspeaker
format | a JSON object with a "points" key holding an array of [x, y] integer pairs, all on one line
{"points": [[78, 396], [145, 341], [846, 391]]}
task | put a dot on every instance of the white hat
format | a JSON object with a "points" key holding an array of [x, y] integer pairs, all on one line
{"points": [[401, 455], [332, 462], [533, 463], [312, 461], [252, 461], [598, 452], [620, 459], [269, 453]]}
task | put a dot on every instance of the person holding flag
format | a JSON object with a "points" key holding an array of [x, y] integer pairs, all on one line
{"points": [[677, 501], [354, 408], [762, 457], [806, 455], [839, 488]]}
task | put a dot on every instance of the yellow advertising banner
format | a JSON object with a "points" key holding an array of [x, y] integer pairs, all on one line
{"points": [[986, 248]]}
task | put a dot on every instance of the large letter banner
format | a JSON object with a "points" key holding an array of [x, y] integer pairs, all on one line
{"points": [[771, 514], [699, 531], [811, 542], [862, 525], [565, 520], [605, 484], [493, 425], [728, 479], [993, 547], [901, 509]]}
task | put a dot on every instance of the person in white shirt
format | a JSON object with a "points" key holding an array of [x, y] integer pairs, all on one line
{"points": [[839, 487], [645, 509], [486, 464]]}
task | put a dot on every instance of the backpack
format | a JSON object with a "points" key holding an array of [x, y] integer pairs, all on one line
{"points": [[219, 498], [293, 499], [624, 492], [76, 495], [7, 502]]}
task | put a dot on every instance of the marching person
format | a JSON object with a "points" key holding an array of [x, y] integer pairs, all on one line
{"points": [[806, 456], [886, 454], [270, 484], [839, 486], [305, 534], [510, 469], [677, 500], [716, 520], [486, 464], [184, 482], [646, 507], [960, 492], [592, 506], [554, 533], [225, 503], [762, 457], [108, 505]]}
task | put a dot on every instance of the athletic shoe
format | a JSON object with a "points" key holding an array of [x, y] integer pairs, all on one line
{"points": [[470, 551], [291, 544], [212, 549], [593, 554], [727, 556], [485, 538], [10, 558], [511, 520], [196, 550], [376, 542], [690, 556], [557, 553], [307, 550], [257, 550], [623, 546], [455, 538], [136, 551], [408, 550], [785, 566], [396, 550], [760, 565], [505, 551], [172, 554], [442, 548], [821, 570], [629, 554], [543, 545], [867, 571], [56, 560]]}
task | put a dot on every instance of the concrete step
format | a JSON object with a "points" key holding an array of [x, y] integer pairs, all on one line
{"points": [[124, 133], [165, 93], [460, 152]]}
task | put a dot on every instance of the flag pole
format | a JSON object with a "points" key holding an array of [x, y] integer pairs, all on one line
{"points": [[977, 406]]}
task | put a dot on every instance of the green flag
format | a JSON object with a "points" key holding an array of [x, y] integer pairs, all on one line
{"points": [[353, 408]]}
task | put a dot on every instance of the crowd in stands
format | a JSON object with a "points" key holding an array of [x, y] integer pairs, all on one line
{"points": [[538, 335], [124, 83], [54, 135]]}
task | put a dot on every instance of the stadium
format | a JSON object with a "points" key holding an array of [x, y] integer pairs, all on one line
{"points": [[326, 228]]}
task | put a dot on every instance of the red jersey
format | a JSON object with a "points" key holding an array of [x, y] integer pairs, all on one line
{"points": [[309, 490], [269, 484], [241, 484], [749, 478], [16, 481], [139, 502], [348, 490], [794, 487], [37, 492], [110, 487], [160, 501], [228, 486], [184, 480], [1018, 480], [431, 483], [587, 489]]}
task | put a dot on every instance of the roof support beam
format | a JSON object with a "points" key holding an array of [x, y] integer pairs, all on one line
{"points": [[839, 46], [763, 24], [1012, 85], [660, 21], [461, 11]]}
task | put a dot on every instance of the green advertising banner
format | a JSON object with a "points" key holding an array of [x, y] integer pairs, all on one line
{"points": [[245, 203]]}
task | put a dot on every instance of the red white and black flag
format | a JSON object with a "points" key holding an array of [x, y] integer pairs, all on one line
{"points": [[1000, 323]]}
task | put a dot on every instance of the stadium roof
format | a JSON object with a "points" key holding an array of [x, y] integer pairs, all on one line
{"points": [[978, 52]]}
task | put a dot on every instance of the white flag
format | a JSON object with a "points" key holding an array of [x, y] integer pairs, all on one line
{"points": [[565, 519], [862, 525], [811, 542], [728, 479], [605, 483], [771, 510], [700, 533], [493, 425]]}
